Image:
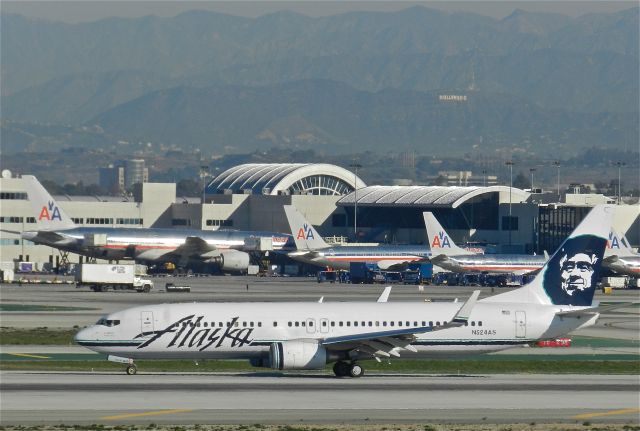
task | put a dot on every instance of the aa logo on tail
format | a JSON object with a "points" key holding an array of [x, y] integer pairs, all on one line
{"points": [[305, 232], [613, 242], [51, 213], [440, 241]]}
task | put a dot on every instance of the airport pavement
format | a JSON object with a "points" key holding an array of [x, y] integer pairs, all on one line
{"points": [[110, 398]]}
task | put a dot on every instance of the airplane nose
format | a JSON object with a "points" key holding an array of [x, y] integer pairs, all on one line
{"points": [[83, 335]]}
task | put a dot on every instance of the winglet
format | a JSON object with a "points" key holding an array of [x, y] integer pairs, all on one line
{"points": [[384, 296], [321, 300], [465, 311]]}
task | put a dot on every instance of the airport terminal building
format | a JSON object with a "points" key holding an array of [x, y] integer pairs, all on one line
{"points": [[337, 202]]}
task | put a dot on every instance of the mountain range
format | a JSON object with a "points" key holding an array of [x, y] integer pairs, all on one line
{"points": [[223, 83]]}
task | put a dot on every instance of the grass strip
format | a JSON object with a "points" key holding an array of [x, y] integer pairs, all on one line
{"points": [[37, 336], [34, 307], [440, 366]]}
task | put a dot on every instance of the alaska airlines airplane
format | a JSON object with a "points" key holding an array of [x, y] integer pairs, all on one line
{"points": [[311, 248], [620, 257], [447, 255], [56, 229], [301, 336]]}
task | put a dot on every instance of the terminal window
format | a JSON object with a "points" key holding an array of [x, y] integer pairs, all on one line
{"points": [[13, 196], [509, 223], [226, 223]]}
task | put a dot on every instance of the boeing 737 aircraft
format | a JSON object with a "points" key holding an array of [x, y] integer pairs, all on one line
{"points": [[56, 229], [301, 336], [311, 248], [447, 255], [620, 257]]}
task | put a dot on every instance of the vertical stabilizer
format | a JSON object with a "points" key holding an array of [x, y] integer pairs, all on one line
{"points": [[305, 236], [48, 214], [570, 276], [439, 241], [618, 245]]}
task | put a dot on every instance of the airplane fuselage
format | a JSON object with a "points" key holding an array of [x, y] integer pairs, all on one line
{"points": [[247, 330], [493, 263], [384, 256], [626, 265], [149, 244]]}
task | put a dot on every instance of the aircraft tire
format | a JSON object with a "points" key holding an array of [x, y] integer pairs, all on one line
{"points": [[341, 369], [356, 370], [131, 370]]}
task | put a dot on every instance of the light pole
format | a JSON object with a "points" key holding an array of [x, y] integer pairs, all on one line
{"points": [[532, 170], [484, 178], [510, 164], [355, 167], [557, 165], [619, 165], [203, 175]]}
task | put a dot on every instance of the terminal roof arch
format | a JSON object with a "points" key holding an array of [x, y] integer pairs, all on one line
{"points": [[425, 196], [286, 178]]}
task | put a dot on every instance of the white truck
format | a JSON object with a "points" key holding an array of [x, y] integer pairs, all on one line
{"points": [[102, 276]]}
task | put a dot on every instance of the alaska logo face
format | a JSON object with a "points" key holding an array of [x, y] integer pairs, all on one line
{"points": [[50, 212], [572, 273], [305, 232], [441, 241]]}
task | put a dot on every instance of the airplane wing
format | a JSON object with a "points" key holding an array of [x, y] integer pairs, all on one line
{"points": [[50, 238], [388, 343], [399, 265], [307, 254], [193, 246]]}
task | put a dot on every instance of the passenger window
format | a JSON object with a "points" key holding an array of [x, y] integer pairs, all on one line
{"points": [[228, 324], [466, 323], [244, 324], [348, 323], [275, 324], [415, 323], [473, 323], [340, 324], [363, 323], [310, 324], [221, 324], [333, 323], [324, 323], [206, 324], [399, 323], [377, 323], [198, 324], [430, 322], [437, 323], [259, 324], [355, 323], [303, 323], [480, 323], [370, 323], [384, 323], [251, 324], [237, 324], [391, 323], [408, 323], [297, 324], [424, 323]]}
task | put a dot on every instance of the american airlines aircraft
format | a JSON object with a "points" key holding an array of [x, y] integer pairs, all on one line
{"points": [[56, 229], [305, 335], [620, 257], [447, 255], [311, 248]]}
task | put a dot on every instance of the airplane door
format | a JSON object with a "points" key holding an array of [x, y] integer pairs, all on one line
{"points": [[521, 324], [324, 326], [146, 321], [311, 326]]}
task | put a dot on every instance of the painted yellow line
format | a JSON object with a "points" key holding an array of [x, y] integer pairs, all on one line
{"points": [[143, 414], [609, 413], [24, 355]]}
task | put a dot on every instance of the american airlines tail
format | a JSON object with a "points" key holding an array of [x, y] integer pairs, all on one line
{"points": [[618, 245], [439, 240], [305, 236], [49, 215], [570, 276]]}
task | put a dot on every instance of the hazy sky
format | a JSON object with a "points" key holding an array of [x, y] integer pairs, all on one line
{"points": [[90, 10]]}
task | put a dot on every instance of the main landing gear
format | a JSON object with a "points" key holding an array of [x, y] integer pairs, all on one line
{"points": [[131, 369], [345, 369]]}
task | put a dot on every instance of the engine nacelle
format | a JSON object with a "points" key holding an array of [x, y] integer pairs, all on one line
{"points": [[297, 355], [232, 260]]}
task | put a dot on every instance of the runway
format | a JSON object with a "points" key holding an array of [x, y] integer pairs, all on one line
{"points": [[73, 398]]}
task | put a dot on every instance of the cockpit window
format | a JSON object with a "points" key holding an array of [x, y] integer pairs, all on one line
{"points": [[108, 322]]}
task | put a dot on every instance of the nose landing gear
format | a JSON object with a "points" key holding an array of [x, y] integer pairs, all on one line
{"points": [[345, 369], [132, 369]]}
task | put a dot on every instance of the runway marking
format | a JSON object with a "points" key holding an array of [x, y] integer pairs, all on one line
{"points": [[143, 414], [609, 413], [24, 355]]}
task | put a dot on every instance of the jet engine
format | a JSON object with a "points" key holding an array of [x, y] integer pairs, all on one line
{"points": [[297, 355], [232, 260]]}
